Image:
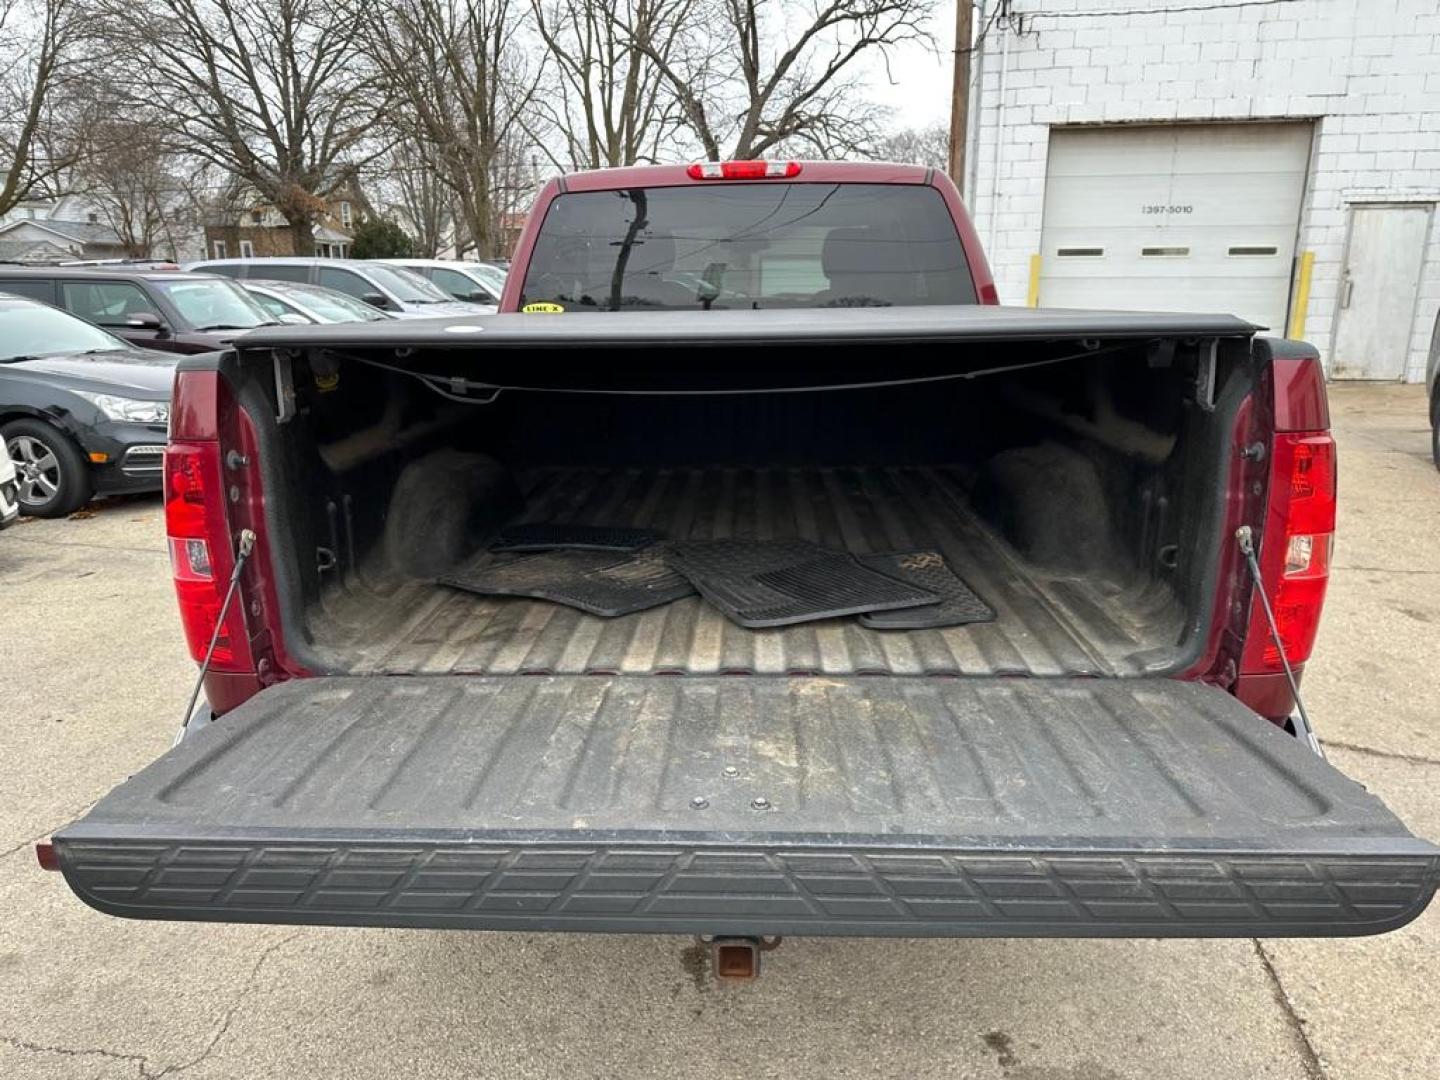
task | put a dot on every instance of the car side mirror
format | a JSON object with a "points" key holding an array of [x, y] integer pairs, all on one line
{"points": [[293, 318], [478, 296], [375, 299], [144, 320]]}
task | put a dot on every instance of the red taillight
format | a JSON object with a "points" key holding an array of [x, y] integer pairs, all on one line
{"points": [[46, 855], [743, 170], [1295, 551], [201, 558]]}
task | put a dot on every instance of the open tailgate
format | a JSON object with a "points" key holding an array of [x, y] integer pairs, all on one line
{"points": [[744, 805]]}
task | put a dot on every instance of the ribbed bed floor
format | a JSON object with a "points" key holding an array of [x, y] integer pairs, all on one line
{"points": [[1045, 625]]}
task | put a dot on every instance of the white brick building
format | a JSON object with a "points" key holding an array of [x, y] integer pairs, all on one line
{"points": [[1204, 153]]}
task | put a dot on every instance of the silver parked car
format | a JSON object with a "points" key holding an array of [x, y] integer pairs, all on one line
{"points": [[392, 289], [473, 282], [294, 303]]}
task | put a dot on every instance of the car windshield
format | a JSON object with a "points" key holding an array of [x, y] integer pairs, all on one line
{"points": [[491, 276], [748, 246], [407, 286], [35, 330], [329, 305], [213, 304]]}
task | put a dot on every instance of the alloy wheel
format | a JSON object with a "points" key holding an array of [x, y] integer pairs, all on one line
{"points": [[37, 470]]}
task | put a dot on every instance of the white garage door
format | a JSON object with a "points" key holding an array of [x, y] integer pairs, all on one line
{"points": [[1184, 217]]}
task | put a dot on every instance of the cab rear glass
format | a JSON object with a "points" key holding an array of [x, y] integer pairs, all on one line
{"points": [[740, 246]]}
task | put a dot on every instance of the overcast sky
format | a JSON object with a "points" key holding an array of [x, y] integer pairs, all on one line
{"points": [[920, 93]]}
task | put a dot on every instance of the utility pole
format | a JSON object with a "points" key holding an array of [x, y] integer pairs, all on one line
{"points": [[960, 91]]}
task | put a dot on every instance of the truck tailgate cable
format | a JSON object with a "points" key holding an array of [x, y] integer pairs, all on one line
{"points": [[246, 546], [457, 388], [1245, 537]]}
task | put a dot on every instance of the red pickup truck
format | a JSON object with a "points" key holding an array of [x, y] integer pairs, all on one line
{"points": [[753, 573]]}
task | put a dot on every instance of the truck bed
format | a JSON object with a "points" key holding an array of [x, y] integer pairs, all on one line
{"points": [[1046, 625]]}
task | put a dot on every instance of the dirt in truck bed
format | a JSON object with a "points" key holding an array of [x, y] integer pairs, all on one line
{"points": [[1047, 625]]}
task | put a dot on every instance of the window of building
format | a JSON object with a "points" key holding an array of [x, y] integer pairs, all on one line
{"points": [[345, 215], [93, 218], [247, 249], [257, 217], [217, 249]]}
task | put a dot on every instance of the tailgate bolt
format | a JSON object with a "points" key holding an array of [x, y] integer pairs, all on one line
{"points": [[730, 772], [760, 803], [699, 802]]}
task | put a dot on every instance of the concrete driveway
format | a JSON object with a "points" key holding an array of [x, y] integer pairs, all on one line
{"points": [[95, 676]]}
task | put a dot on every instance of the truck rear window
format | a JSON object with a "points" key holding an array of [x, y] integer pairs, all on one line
{"points": [[748, 246]]}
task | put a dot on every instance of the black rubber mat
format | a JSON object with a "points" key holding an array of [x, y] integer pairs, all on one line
{"points": [[926, 570], [778, 582], [600, 582], [547, 536]]}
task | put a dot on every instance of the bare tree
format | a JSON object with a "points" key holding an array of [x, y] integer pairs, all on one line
{"points": [[39, 61], [408, 188], [611, 101], [917, 146], [737, 90], [129, 174], [461, 81], [272, 91]]}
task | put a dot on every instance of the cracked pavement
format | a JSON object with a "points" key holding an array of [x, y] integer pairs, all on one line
{"points": [[96, 676]]}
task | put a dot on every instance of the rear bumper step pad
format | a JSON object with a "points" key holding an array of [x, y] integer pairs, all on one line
{"points": [[750, 806], [752, 889]]}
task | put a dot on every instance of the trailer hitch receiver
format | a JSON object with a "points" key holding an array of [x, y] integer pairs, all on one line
{"points": [[737, 958]]}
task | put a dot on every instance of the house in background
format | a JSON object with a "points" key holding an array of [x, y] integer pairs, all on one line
{"points": [[508, 232], [57, 230], [260, 231]]}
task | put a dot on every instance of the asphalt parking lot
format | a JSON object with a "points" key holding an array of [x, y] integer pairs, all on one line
{"points": [[95, 675]]}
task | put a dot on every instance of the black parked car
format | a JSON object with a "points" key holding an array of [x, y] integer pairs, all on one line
{"points": [[81, 412], [155, 309]]}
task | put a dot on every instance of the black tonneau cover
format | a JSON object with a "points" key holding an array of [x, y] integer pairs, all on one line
{"points": [[760, 805], [670, 329]]}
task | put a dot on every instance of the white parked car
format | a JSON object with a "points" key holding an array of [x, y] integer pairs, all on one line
{"points": [[9, 489]]}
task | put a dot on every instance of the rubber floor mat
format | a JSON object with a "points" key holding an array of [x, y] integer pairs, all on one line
{"points": [[546, 536], [779, 582], [926, 570], [600, 582]]}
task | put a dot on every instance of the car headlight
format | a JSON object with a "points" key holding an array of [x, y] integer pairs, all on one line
{"points": [[135, 410]]}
